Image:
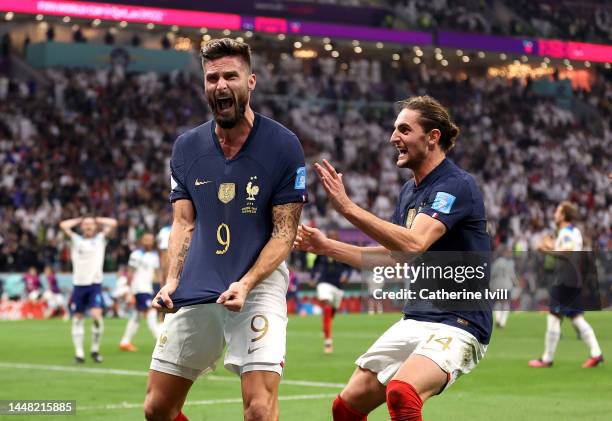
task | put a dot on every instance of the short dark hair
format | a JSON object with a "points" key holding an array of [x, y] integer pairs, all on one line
{"points": [[433, 116], [570, 211], [225, 47]]}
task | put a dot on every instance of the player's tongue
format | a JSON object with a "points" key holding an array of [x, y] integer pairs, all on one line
{"points": [[224, 103]]}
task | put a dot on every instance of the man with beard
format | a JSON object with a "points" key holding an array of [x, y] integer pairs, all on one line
{"points": [[238, 187], [440, 210]]}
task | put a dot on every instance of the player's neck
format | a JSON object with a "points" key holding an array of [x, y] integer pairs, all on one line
{"points": [[564, 224], [427, 166], [232, 140]]}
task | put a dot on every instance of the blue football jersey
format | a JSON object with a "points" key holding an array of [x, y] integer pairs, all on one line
{"points": [[451, 196], [233, 200]]}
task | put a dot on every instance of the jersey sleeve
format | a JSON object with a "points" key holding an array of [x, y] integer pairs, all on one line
{"points": [[178, 189], [291, 185], [449, 202], [566, 241], [133, 260]]}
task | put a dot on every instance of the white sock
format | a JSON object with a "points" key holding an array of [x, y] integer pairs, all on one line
{"points": [[78, 332], [96, 334], [153, 324], [587, 335], [130, 330], [553, 333]]}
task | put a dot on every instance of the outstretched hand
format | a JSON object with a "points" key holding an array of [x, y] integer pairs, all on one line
{"points": [[334, 187], [310, 239]]}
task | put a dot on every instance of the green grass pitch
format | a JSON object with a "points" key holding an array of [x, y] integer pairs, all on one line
{"points": [[36, 363]]}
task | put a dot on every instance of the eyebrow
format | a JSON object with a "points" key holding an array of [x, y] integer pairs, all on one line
{"points": [[227, 73], [403, 124]]}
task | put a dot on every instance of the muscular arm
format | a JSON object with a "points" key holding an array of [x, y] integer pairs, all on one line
{"points": [[68, 224], [285, 220], [183, 226]]}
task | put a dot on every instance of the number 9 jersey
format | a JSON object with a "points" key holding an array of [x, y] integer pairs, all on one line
{"points": [[233, 200]]}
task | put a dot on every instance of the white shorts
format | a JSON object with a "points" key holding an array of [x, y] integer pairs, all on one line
{"points": [[454, 350], [193, 338], [329, 292]]}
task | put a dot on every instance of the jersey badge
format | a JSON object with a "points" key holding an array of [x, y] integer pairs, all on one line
{"points": [[443, 202], [227, 192]]}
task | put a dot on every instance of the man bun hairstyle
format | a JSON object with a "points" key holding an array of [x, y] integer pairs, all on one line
{"points": [[570, 211], [433, 116], [225, 47]]}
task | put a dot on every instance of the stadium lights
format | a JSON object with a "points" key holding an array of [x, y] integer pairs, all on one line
{"points": [[439, 56], [335, 54], [459, 53], [380, 45], [419, 53], [306, 38], [466, 59], [395, 57], [281, 37], [203, 30], [566, 62], [297, 44], [248, 34], [39, 17], [227, 32], [502, 56], [328, 47], [358, 49], [516, 63], [444, 62], [9, 16], [96, 22], [75, 27], [587, 64], [546, 60], [544, 65], [438, 51], [524, 59], [123, 24], [150, 26], [66, 19], [326, 40], [206, 38], [416, 48], [607, 65], [416, 60], [481, 54], [570, 67], [355, 43], [239, 39], [174, 28]]}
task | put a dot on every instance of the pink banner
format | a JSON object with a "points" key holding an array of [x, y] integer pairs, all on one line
{"points": [[107, 11], [592, 52]]}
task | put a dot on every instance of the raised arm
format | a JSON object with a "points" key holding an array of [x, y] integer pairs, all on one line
{"points": [[108, 225], [68, 224], [285, 220], [178, 248]]}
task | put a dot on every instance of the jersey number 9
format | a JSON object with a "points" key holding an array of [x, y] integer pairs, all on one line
{"points": [[223, 237]]}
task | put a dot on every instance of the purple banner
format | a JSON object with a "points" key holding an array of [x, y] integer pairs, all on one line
{"points": [[360, 33], [487, 43]]}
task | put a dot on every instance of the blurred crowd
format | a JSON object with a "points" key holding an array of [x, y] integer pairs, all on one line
{"points": [[100, 141]]}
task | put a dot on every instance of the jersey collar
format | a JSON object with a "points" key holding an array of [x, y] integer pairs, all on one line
{"points": [[246, 143]]}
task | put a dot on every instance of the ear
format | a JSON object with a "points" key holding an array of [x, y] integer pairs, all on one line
{"points": [[433, 137], [252, 82]]}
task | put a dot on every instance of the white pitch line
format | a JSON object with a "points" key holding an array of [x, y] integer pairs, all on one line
{"points": [[126, 405], [120, 372]]}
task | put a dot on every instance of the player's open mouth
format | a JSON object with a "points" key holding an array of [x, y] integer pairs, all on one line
{"points": [[225, 103], [402, 153]]}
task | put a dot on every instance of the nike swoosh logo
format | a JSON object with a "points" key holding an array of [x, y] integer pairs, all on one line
{"points": [[250, 351], [199, 183]]}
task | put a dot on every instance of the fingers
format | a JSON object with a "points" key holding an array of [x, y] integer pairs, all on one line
{"points": [[165, 298], [331, 170], [224, 297], [310, 230]]}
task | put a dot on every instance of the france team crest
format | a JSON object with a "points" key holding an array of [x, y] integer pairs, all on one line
{"points": [[443, 202]]}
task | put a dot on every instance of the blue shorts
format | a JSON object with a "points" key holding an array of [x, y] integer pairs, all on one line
{"points": [[156, 288], [85, 297], [566, 301], [143, 301]]}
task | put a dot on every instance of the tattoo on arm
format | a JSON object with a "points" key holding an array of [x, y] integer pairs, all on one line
{"points": [[182, 255], [285, 220]]}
